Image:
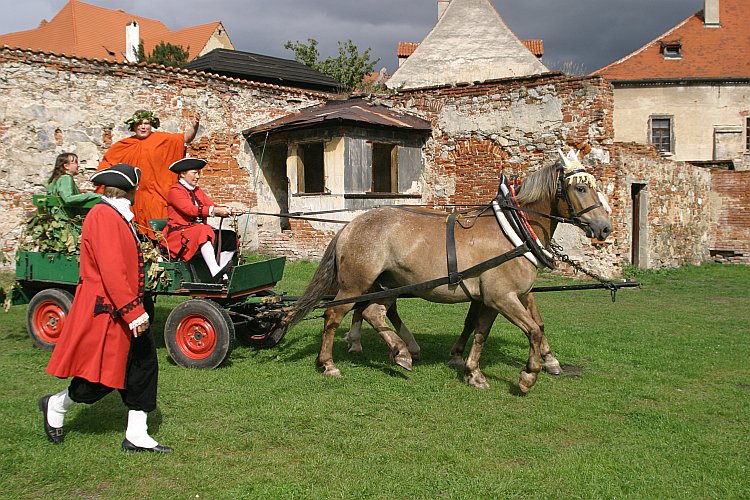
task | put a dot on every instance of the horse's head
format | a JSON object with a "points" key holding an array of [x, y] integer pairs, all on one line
{"points": [[579, 200]]}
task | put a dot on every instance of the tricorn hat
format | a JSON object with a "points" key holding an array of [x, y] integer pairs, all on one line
{"points": [[186, 164], [122, 176]]}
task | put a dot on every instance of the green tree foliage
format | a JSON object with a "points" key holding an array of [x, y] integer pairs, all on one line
{"points": [[164, 53], [349, 67]]}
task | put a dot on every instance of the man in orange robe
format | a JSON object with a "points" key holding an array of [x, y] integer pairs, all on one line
{"points": [[153, 153]]}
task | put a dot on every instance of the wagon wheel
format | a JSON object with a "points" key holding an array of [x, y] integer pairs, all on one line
{"points": [[46, 316], [261, 333], [199, 334]]}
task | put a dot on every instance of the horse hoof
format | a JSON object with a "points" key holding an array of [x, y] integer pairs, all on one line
{"points": [[404, 362], [553, 368], [415, 356], [526, 381], [332, 372], [476, 380], [355, 348]]}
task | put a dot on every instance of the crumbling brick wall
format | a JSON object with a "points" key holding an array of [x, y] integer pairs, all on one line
{"points": [[52, 103], [730, 241]]}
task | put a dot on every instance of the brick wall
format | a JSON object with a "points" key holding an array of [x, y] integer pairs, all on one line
{"points": [[730, 240]]}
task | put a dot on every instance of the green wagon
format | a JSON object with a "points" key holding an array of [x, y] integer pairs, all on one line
{"points": [[200, 332]]}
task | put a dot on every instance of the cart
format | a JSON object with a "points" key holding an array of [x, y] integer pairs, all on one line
{"points": [[200, 332]]}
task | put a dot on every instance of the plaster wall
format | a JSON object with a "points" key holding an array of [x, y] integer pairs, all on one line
{"points": [[697, 111]]}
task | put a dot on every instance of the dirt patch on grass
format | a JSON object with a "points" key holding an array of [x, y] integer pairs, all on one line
{"points": [[572, 371]]}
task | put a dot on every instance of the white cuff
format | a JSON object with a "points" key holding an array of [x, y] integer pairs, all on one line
{"points": [[143, 318]]}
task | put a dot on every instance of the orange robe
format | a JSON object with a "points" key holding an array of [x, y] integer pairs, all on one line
{"points": [[153, 155]]}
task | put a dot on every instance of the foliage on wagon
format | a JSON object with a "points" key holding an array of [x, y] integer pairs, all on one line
{"points": [[52, 232]]}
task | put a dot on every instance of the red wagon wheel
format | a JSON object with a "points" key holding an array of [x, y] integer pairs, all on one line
{"points": [[199, 334], [46, 316]]}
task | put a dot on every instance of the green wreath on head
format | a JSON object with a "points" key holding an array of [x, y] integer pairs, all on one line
{"points": [[141, 115]]}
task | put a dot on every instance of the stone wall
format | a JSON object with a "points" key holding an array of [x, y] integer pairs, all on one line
{"points": [[52, 103]]}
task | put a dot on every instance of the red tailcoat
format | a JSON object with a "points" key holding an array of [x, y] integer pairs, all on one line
{"points": [[95, 339], [183, 207]]}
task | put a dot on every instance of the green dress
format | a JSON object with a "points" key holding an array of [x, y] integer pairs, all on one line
{"points": [[65, 188], [63, 223]]}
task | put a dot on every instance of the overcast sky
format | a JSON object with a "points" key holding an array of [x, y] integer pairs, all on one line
{"points": [[588, 33]]}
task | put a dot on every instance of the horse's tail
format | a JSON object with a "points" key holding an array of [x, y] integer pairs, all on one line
{"points": [[323, 282]]}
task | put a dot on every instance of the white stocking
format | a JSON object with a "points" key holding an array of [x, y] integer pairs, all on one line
{"points": [[207, 251], [57, 407], [137, 431], [225, 257]]}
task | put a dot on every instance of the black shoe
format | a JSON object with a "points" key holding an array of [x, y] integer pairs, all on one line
{"points": [[128, 446], [54, 434], [219, 277]]}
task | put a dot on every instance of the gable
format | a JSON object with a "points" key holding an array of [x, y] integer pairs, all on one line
{"points": [[469, 43]]}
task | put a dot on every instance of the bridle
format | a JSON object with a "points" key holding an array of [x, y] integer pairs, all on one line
{"points": [[569, 176]]}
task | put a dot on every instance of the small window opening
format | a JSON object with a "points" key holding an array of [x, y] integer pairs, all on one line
{"points": [[384, 168], [312, 179], [671, 50]]}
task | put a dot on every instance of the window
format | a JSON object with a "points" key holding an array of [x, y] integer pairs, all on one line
{"points": [[747, 134], [384, 168], [310, 172], [671, 50], [661, 133]]}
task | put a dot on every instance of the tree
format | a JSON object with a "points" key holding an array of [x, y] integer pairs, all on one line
{"points": [[349, 67], [164, 53]]}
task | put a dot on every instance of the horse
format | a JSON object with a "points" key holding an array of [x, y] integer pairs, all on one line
{"points": [[392, 247]]}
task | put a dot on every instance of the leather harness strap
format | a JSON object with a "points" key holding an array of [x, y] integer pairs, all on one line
{"points": [[454, 277], [426, 285]]}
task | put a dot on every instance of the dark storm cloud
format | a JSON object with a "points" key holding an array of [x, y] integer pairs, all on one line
{"points": [[588, 33]]}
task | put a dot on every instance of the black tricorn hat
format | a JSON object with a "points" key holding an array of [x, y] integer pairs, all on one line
{"points": [[186, 164], [122, 175]]}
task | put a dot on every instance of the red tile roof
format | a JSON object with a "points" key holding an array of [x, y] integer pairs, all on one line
{"points": [[405, 49], [707, 52], [89, 31], [536, 46]]}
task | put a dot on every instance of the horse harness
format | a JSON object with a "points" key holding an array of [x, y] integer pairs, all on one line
{"points": [[525, 241]]}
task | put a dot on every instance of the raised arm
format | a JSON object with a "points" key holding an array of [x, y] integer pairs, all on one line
{"points": [[192, 130]]}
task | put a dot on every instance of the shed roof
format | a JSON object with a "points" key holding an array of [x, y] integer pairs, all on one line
{"points": [[260, 68], [351, 111]]}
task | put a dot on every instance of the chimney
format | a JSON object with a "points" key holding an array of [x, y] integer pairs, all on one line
{"points": [[442, 5], [711, 14], [132, 40]]}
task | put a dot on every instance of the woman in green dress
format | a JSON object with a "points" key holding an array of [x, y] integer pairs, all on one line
{"points": [[62, 184]]}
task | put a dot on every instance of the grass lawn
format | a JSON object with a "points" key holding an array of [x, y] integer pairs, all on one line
{"points": [[655, 402]]}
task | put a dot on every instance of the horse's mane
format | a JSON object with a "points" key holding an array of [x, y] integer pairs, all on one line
{"points": [[538, 185]]}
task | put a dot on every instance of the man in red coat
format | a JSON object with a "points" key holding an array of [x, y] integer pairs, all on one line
{"points": [[188, 207], [106, 342], [153, 153]]}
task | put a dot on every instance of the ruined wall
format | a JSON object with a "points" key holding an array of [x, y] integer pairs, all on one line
{"points": [[730, 240], [678, 206], [51, 103]]}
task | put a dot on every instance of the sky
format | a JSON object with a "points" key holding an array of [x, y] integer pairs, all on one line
{"points": [[589, 34]]}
